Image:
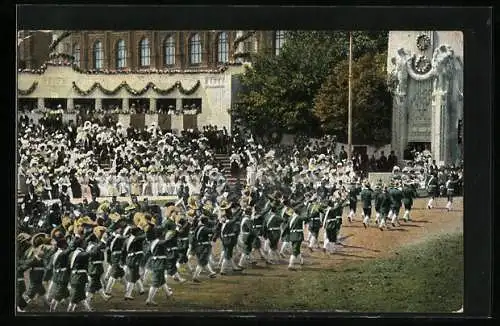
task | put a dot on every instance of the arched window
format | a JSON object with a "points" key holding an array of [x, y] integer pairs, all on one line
{"points": [[279, 41], [121, 54], [223, 48], [98, 55], [75, 52], [195, 49], [169, 51], [145, 52]]}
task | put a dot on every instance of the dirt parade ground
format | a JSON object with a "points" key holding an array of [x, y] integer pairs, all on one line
{"points": [[245, 290]]}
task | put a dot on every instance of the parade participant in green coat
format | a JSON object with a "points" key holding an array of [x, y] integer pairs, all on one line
{"points": [[113, 222], [202, 248], [366, 198], [332, 221], [409, 193], [57, 232], [78, 263], [115, 244], [229, 237], [396, 202], [285, 230], [145, 223], [23, 243], [385, 206], [246, 236], [193, 214], [296, 227], [432, 188], [35, 261], [61, 273], [96, 260], [379, 187], [272, 230], [314, 225], [276, 206], [133, 252], [171, 252], [158, 266], [258, 219], [354, 191], [182, 241], [451, 185]]}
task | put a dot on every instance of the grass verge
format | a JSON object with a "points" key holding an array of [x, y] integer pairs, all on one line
{"points": [[427, 277]]}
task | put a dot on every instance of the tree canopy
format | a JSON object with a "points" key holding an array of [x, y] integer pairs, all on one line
{"points": [[371, 101], [280, 91]]}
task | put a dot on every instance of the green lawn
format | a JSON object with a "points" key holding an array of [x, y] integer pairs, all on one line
{"points": [[427, 277]]}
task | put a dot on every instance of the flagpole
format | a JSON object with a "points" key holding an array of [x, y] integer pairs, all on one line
{"points": [[349, 120]]}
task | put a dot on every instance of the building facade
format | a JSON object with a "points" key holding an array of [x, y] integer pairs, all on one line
{"points": [[191, 73], [135, 50], [426, 74], [32, 49]]}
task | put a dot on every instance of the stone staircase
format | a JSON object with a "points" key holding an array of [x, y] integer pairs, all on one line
{"points": [[232, 181]]}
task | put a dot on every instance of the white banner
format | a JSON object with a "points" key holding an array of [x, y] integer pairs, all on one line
{"points": [[373, 177], [149, 119], [124, 119]]}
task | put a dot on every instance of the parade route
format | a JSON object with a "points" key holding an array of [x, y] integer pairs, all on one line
{"points": [[244, 290]]}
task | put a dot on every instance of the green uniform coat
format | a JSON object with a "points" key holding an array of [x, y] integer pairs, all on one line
{"points": [[158, 262], [36, 267], [385, 204], [133, 252], [183, 243], [79, 261], [247, 235], [117, 258], [296, 227], [61, 273], [409, 194], [229, 236], [396, 196], [272, 229], [332, 221], [96, 267], [366, 198], [314, 217], [202, 244]]}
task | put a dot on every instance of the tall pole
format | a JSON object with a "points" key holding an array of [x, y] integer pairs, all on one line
{"points": [[349, 120]]}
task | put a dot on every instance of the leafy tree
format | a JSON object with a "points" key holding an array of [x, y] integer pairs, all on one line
{"points": [[371, 101], [279, 91]]}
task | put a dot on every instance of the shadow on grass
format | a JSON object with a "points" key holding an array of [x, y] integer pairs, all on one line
{"points": [[345, 254], [397, 229], [420, 221], [340, 239], [247, 273], [358, 247]]}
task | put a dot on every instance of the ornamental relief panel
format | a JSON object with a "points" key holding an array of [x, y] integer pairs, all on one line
{"points": [[419, 111]]}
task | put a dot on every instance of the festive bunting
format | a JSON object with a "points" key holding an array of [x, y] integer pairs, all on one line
{"points": [[140, 92], [67, 61], [29, 90]]}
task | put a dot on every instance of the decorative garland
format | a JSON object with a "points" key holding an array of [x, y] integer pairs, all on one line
{"points": [[423, 42], [43, 68], [61, 56], [130, 90], [421, 65], [29, 90]]}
